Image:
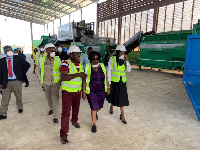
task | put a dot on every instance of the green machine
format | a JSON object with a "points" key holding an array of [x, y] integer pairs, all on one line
{"points": [[104, 45], [164, 50]]}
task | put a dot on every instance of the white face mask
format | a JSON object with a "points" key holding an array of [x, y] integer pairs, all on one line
{"points": [[94, 66], [121, 57], [53, 54], [59, 49], [42, 49], [10, 53], [15, 53]]}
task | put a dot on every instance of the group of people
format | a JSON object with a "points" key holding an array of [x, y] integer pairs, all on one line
{"points": [[77, 75]]}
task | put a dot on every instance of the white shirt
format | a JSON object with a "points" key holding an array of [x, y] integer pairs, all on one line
{"points": [[128, 69]]}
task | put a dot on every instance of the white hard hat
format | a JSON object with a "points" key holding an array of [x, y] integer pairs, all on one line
{"points": [[121, 48], [73, 49], [49, 45]]}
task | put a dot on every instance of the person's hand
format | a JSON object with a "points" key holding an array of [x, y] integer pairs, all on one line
{"points": [[0, 86], [82, 75], [108, 91], [84, 96], [126, 57]]}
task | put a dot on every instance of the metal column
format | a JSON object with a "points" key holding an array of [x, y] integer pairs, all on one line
{"points": [[31, 27]]}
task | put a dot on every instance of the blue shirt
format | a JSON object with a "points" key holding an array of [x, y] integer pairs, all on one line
{"points": [[13, 77], [84, 59]]}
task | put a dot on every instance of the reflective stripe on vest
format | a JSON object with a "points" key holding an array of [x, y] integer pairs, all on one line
{"points": [[56, 69], [88, 72], [74, 85], [117, 71], [37, 58]]}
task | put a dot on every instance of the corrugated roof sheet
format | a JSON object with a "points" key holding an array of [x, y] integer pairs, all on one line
{"points": [[40, 11]]}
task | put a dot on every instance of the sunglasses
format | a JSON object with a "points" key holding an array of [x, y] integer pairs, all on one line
{"points": [[95, 59]]}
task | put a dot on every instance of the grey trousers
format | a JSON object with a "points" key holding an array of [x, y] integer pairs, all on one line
{"points": [[52, 95], [16, 88]]}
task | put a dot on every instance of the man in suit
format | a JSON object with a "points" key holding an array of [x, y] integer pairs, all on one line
{"points": [[12, 69]]}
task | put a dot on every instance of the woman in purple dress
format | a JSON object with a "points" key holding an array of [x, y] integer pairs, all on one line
{"points": [[95, 86]]}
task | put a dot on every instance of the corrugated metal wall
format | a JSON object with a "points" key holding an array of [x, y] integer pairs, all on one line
{"points": [[172, 15]]}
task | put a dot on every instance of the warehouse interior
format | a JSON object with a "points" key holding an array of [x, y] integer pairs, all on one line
{"points": [[163, 114]]}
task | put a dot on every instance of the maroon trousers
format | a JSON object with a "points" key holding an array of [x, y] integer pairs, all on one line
{"points": [[69, 99]]}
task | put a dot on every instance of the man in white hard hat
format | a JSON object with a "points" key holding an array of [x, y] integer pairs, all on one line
{"points": [[72, 74], [118, 65], [50, 78]]}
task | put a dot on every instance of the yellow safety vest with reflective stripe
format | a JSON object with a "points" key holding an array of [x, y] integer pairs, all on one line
{"points": [[34, 55], [117, 71], [74, 85], [88, 72], [56, 69], [37, 58]]}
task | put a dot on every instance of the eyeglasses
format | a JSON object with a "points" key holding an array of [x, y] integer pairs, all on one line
{"points": [[95, 59]]}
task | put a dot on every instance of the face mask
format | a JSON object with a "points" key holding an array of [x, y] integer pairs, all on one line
{"points": [[15, 53], [121, 57], [59, 49], [53, 54], [10, 53], [42, 49], [94, 66]]}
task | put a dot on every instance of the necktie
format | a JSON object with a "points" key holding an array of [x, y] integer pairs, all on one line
{"points": [[10, 74]]}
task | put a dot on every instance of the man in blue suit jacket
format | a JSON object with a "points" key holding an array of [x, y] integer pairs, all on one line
{"points": [[12, 69]]}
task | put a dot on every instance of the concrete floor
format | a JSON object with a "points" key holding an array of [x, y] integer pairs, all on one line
{"points": [[160, 116]]}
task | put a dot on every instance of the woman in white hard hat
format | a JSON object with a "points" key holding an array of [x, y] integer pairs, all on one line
{"points": [[95, 86], [118, 65]]}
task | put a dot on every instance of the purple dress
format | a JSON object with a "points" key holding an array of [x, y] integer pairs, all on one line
{"points": [[97, 91]]}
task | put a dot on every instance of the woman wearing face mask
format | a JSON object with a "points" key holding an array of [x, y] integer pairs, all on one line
{"points": [[95, 86], [50, 78], [117, 67]]}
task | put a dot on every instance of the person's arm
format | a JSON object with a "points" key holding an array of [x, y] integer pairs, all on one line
{"points": [[109, 71], [84, 89], [25, 65], [128, 66], [108, 85], [66, 77]]}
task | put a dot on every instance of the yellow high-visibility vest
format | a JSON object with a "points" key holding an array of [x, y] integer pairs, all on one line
{"points": [[88, 72], [74, 85], [117, 71], [56, 69]]}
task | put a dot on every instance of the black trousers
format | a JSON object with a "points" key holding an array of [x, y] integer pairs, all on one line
{"points": [[25, 79]]}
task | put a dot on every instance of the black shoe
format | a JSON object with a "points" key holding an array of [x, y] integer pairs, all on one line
{"points": [[125, 122], [43, 88], [94, 129], [55, 120], [50, 112], [97, 117], [26, 85], [64, 140], [20, 111], [76, 125], [2, 117]]}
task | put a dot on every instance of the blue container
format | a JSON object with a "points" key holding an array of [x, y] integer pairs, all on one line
{"points": [[191, 76]]}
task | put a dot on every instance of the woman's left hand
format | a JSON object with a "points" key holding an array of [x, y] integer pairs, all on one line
{"points": [[108, 91]]}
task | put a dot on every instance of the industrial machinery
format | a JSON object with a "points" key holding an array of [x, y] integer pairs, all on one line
{"points": [[164, 50], [82, 35]]}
